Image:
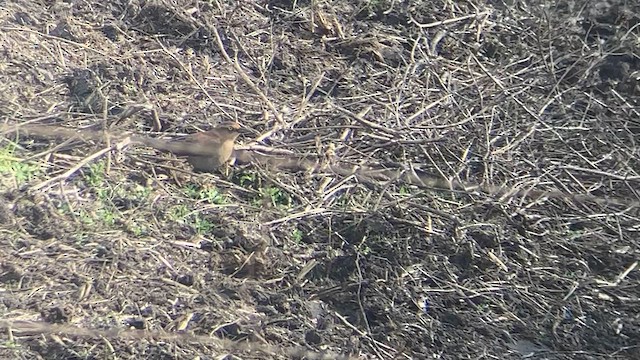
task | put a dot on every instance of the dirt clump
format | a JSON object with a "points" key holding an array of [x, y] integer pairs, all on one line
{"points": [[112, 250]]}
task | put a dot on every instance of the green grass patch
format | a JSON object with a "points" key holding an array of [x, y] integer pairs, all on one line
{"points": [[210, 194], [22, 172]]}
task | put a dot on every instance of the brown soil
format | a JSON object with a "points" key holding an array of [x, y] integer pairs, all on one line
{"points": [[132, 256]]}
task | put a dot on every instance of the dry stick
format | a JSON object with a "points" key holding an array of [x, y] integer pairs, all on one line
{"points": [[6, 129], [298, 117], [445, 22], [311, 212], [360, 118], [624, 274], [107, 136], [426, 108], [599, 172], [43, 328], [362, 333], [50, 151], [82, 163], [626, 102], [70, 172], [452, 125], [190, 73], [51, 37], [522, 105], [376, 347], [289, 188], [249, 83], [534, 128], [306, 98]]}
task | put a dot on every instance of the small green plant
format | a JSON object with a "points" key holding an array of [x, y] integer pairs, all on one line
{"points": [[8, 344], [248, 180], [178, 213], [276, 196], [214, 196], [96, 181], [21, 171], [107, 217], [208, 193], [364, 249], [136, 229], [141, 192], [192, 191], [202, 226], [85, 217], [95, 177], [296, 234], [183, 215]]}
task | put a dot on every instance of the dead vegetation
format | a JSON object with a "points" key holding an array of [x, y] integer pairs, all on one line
{"points": [[124, 253]]}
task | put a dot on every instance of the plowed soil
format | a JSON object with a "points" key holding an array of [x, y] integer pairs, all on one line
{"points": [[122, 252]]}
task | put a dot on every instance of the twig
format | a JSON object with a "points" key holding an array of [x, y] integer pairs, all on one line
{"points": [[446, 22], [245, 77], [80, 164], [360, 118], [60, 39], [195, 81], [600, 172], [39, 327]]}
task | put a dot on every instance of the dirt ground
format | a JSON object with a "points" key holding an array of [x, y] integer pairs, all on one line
{"points": [[125, 253]]}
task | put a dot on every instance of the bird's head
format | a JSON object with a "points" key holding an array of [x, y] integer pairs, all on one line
{"points": [[228, 130]]}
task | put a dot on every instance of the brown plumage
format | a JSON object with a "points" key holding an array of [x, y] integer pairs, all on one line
{"points": [[205, 151], [221, 140]]}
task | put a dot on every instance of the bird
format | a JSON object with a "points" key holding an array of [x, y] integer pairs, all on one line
{"points": [[220, 141], [206, 151]]}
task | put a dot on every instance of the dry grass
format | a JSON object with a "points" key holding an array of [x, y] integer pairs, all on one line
{"points": [[124, 253]]}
